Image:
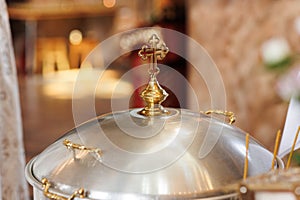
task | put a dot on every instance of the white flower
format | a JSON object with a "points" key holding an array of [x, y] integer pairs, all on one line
{"points": [[275, 50]]}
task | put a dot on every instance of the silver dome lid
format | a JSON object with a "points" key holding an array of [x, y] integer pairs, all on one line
{"points": [[165, 161]]}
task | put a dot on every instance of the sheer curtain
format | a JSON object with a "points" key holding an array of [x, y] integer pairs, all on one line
{"points": [[12, 158]]}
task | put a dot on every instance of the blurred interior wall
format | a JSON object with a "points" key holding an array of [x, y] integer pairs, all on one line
{"points": [[232, 32]]}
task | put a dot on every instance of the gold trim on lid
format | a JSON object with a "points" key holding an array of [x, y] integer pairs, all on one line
{"points": [[153, 94]]}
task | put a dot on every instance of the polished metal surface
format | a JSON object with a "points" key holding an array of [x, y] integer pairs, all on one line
{"points": [[159, 157]]}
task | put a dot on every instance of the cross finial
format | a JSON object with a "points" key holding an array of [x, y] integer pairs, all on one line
{"points": [[155, 51], [153, 94]]}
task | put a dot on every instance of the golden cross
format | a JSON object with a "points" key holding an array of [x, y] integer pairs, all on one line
{"points": [[155, 52], [153, 94]]}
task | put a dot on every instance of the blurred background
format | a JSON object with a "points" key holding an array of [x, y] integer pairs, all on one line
{"points": [[255, 45]]}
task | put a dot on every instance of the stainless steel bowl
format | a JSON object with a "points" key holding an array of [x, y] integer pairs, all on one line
{"points": [[164, 161]]}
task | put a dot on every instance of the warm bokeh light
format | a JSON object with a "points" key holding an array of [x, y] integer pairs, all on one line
{"points": [[109, 3], [75, 37], [60, 85]]}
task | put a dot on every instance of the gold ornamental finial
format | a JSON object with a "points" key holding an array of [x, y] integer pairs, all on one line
{"points": [[153, 94]]}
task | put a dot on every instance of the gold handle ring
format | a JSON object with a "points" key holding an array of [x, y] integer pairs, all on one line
{"points": [[228, 114]]}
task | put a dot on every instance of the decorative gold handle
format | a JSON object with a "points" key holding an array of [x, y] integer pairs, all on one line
{"points": [[46, 186], [80, 147], [228, 114]]}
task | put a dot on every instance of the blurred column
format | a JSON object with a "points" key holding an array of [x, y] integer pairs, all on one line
{"points": [[30, 37], [12, 157]]}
